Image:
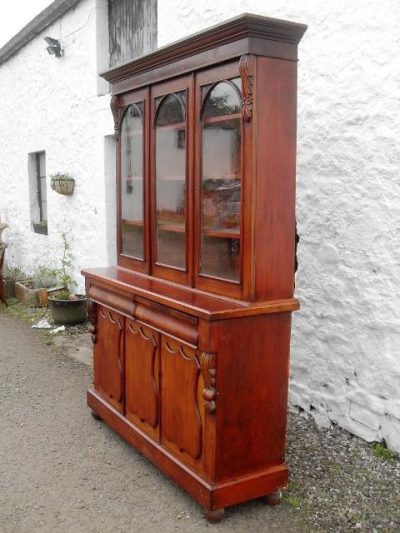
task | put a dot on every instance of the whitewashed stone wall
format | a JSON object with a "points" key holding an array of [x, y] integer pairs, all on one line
{"points": [[52, 104], [346, 338]]}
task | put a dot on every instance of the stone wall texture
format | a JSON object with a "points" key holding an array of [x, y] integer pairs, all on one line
{"points": [[345, 348], [346, 338]]}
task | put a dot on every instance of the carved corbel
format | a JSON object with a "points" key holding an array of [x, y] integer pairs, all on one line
{"points": [[209, 371], [245, 70], [114, 104], [92, 315]]}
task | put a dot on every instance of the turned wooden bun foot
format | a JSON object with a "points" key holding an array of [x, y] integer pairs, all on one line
{"points": [[214, 516], [274, 498], [96, 416]]}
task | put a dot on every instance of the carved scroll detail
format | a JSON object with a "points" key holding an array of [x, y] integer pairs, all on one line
{"points": [[114, 104], [245, 64], [92, 315], [208, 370]]}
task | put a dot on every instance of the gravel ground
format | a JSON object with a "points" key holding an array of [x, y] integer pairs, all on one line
{"points": [[62, 471], [338, 483]]}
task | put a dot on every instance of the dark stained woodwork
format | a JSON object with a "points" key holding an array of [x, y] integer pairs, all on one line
{"points": [[182, 426], [108, 354], [246, 33], [212, 496], [191, 367], [276, 171], [253, 372], [274, 498], [197, 303], [247, 87], [142, 376]]}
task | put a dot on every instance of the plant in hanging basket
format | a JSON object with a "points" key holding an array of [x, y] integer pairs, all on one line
{"points": [[62, 183]]}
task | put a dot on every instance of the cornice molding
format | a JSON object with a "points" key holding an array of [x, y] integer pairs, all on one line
{"points": [[241, 27]]}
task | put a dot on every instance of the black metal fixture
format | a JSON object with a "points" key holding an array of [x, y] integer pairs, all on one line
{"points": [[54, 47]]}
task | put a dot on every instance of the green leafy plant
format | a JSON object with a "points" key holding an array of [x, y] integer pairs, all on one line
{"points": [[45, 278], [381, 451], [67, 258], [14, 273], [62, 176]]}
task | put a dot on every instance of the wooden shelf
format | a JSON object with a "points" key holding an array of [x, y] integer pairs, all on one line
{"points": [[133, 223], [223, 177], [175, 126], [221, 118], [228, 233], [170, 226]]}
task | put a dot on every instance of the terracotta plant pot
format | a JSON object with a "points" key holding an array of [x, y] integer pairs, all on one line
{"points": [[26, 293]]}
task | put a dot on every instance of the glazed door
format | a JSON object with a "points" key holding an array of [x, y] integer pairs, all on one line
{"points": [[142, 377], [171, 180], [182, 409], [132, 181], [109, 357], [221, 184]]}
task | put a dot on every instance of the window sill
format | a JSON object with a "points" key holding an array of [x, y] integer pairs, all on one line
{"points": [[39, 228]]}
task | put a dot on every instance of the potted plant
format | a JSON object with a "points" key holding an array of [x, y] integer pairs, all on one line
{"points": [[67, 307], [62, 183]]}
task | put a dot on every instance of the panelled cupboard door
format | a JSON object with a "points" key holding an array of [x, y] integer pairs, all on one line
{"points": [[142, 377], [182, 410], [171, 161], [108, 357]]}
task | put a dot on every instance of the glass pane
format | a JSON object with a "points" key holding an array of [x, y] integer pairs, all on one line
{"points": [[223, 100], [171, 180], [132, 192], [221, 184]]}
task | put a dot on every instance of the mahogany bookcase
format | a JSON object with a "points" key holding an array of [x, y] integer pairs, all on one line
{"points": [[191, 329]]}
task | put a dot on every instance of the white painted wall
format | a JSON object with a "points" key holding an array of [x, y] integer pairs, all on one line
{"points": [[52, 104], [346, 338]]}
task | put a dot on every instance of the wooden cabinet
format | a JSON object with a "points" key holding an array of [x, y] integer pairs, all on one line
{"points": [[191, 329]]}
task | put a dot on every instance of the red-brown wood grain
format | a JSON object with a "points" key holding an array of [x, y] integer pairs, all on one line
{"points": [[276, 179], [108, 355], [142, 346]]}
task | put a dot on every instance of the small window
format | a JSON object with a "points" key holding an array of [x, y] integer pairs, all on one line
{"points": [[38, 191]]}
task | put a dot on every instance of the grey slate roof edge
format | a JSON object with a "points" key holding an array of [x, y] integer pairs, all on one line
{"points": [[35, 26]]}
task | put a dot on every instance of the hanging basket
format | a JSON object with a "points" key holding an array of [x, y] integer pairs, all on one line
{"points": [[63, 185]]}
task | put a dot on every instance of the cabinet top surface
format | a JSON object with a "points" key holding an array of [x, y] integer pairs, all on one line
{"points": [[245, 27], [182, 298]]}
